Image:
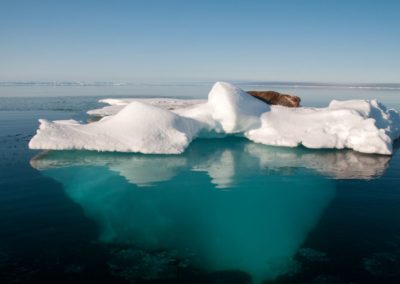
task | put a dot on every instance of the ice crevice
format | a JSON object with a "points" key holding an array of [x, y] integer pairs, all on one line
{"points": [[153, 126]]}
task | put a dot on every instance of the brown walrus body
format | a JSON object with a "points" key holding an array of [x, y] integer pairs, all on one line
{"points": [[275, 98]]}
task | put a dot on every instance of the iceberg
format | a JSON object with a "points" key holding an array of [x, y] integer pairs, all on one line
{"points": [[167, 126]]}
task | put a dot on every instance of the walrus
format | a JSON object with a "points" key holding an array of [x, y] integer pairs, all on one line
{"points": [[276, 98]]}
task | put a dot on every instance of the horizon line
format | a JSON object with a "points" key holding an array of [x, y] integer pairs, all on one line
{"points": [[293, 84]]}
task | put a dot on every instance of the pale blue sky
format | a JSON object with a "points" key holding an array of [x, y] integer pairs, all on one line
{"points": [[137, 41]]}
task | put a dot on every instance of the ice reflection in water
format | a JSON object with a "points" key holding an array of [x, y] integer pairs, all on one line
{"points": [[223, 160], [271, 200]]}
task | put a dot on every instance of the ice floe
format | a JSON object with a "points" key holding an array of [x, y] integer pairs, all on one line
{"points": [[169, 125]]}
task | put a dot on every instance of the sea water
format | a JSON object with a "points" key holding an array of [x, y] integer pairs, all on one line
{"points": [[226, 211]]}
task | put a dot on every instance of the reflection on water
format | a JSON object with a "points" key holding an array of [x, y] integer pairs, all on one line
{"points": [[224, 160], [271, 199]]}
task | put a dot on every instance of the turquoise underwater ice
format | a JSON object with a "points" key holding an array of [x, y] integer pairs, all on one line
{"points": [[250, 217]]}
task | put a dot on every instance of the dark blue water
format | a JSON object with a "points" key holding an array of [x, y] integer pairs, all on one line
{"points": [[226, 211]]}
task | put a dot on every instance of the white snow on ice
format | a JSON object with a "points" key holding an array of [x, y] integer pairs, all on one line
{"points": [[115, 105], [138, 127], [169, 125]]}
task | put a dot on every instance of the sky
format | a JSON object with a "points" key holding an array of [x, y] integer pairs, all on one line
{"points": [[141, 41]]}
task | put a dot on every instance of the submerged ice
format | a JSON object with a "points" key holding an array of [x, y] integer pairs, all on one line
{"points": [[224, 204], [256, 225], [156, 127]]}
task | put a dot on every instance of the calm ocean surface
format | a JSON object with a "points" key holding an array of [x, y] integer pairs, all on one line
{"points": [[225, 211]]}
